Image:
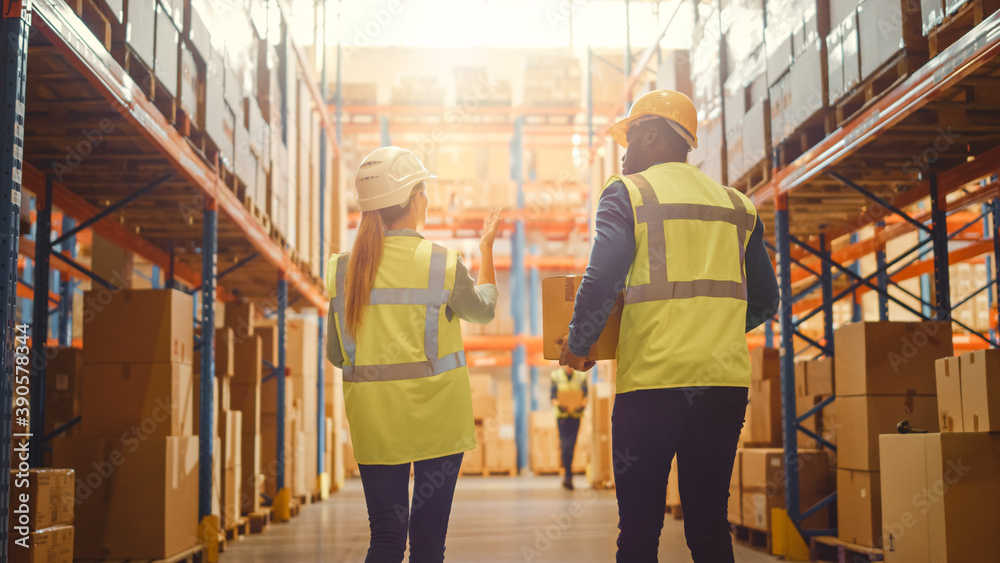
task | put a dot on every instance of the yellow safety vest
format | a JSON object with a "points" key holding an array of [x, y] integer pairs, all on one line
{"points": [[685, 299], [564, 383], [406, 384]]}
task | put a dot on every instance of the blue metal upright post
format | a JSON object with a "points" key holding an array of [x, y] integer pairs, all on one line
{"points": [[40, 321], [66, 287], [14, 53], [788, 414], [517, 283], [534, 311], [209, 262], [939, 236], [827, 283], [321, 326], [925, 279], [769, 334], [991, 211], [282, 306], [883, 274]]}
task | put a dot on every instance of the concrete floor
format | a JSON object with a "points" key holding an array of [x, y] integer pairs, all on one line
{"points": [[494, 520]]}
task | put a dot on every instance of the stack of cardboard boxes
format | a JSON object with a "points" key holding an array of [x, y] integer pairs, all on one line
{"points": [[230, 428], [40, 523], [140, 457], [245, 398], [553, 81], [602, 403], [884, 376], [939, 490], [706, 83], [814, 383], [493, 412], [758, 482]]}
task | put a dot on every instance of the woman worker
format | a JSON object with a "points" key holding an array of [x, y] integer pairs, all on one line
{"points": [[394, 330]]}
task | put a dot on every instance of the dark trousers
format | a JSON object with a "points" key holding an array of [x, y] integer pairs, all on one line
{"points": [[701, 427], [391, 515], [569, 428]]}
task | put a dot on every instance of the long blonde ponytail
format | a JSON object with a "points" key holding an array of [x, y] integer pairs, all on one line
{"points": [[365, 258], [362, 266]]}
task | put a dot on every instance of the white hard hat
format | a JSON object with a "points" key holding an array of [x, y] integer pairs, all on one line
{"points": [[387, 176]]}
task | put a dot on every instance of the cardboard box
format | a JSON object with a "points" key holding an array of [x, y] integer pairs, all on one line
{"points": [[801, 387], [859, 507], [117, 481], [934, 497], [889, 358], [165, 65], [151, 399], [981, 390], [571, 400], [50, 498], [765, 412], [765, 363], [949, 394], [231, 432], [63, 396], [225, 341], [246, 398], [138, 325], [558, 298], [863, 418], [736, 490], [51, 545], [819, 377], [251, 470], [673, 485], [231, 482], [763, 485], [241, 318]]}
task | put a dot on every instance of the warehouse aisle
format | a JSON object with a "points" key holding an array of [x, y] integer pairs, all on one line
{"points": [[495, 520]]}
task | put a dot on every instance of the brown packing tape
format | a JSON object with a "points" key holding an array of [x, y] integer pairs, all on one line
{"points": [[570, 290], [908, 401], [975, 423]]}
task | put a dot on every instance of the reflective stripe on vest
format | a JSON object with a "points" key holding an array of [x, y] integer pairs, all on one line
{"points": [[654, 213], [434, 297]]}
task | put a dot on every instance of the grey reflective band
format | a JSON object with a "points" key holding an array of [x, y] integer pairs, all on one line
{"points": [[654, 213], [433, 297]]}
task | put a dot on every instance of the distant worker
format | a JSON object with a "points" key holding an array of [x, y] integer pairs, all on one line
{"points": [[689, 254], [394, 330], [569, 399]]}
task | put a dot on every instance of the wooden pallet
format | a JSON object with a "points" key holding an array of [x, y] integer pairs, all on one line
{"points": [[316, 497], [294, 507], [240, 529], [756, 176], [903, 65], [259, 521], [221, 541], [193, 555], [834, 550], [262, 218], [752, 537], [955, 26], [304, 499]]}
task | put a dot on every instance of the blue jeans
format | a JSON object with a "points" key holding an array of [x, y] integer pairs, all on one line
{"points": [[701, 426], [391, 515]]}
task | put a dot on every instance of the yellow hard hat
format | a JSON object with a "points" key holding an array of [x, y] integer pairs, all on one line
{"points": [[673, 106]]}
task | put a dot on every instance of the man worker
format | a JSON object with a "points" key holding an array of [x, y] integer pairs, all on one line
{"points": [[569, 399], [690, 256]]}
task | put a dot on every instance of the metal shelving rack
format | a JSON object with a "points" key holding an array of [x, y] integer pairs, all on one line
{"points": [[860, 163], [146, 166]]}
